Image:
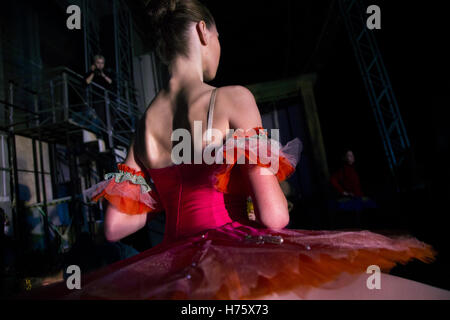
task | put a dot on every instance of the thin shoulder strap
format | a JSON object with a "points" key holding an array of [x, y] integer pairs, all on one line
{"points": [[211, 113]]}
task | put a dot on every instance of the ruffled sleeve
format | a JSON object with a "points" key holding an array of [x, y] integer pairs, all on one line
{"points": [[128, 190], [255, 147]]}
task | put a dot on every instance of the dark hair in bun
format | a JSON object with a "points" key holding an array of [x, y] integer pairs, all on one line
{"points": [[169, 22], [159, 10]]}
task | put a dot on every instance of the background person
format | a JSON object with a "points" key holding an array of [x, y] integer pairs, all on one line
{"points": [[347, 186], [206, 253], [97, 75], [346, 180]]}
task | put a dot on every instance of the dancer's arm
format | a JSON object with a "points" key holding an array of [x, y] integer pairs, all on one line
{"points": [[118, 225], [270, 204]]}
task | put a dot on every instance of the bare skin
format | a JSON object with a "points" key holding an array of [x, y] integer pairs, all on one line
{"points": [[235, 107]]}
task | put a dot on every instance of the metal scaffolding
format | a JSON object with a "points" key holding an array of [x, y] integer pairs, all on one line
{"points": [[74, 132], [91, 32], [123, 47], [60, 115], [376, 79]]}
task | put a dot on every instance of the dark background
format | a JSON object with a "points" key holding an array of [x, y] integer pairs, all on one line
{"points": [[272, 40], [279, 39], [285, 38]]}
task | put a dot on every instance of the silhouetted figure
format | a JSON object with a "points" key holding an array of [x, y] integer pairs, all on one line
{"points": [[346, 184], [346, 180]]}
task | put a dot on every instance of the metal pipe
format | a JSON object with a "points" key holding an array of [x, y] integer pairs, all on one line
{"points": [[44, 198], [65, 96], [108, 121], [116, 44], [52, 97], [15, 177]]}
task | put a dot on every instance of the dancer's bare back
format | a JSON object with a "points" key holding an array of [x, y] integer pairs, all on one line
{"points": [[163, 116], [235, 108]]}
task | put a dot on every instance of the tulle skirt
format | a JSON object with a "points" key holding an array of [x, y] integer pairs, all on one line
{"points": [[237, 261]]}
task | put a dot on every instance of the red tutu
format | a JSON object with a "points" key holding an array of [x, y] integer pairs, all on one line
{"points": [[236, 261], [207, 254]]}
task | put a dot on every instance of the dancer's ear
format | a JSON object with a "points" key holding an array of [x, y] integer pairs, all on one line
{"points": [[202, 32]]}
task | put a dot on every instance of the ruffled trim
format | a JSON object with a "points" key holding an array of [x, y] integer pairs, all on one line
{"points": [[253, 146], [127, 190], [308, 271], [274, 262], [315, 273], [123, 167], [238, 262]]}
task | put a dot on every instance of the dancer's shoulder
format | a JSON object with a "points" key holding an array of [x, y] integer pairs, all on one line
{"points": [[236, 93], [241, 104]]}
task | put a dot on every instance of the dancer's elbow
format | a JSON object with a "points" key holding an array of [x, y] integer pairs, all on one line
{"points": [[277, 224], [275, 217], [111, 233]]}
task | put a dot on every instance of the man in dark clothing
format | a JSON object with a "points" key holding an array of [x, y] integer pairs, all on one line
{"points": [[98, 76], [97, 73]]}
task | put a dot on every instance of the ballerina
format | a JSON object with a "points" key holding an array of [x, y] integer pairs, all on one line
{"points": [[211, 249]]}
